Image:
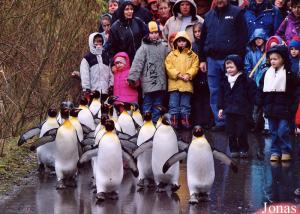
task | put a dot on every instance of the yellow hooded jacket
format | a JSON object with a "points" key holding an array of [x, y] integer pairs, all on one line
{"points": [[185, 62]]}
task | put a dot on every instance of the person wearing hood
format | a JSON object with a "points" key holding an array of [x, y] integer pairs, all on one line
{"points": [[139, 11], [224, 32], [255, 51], [148, 66], [182, 65], [126, 33], [290, 27], [276, 95], [235, 101], [104, 27], [95, 73], [262, 14], [122, 89], [183, 19]]}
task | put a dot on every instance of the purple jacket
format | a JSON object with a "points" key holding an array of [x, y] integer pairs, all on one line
{"points": [[121, 87], [289, 28]]}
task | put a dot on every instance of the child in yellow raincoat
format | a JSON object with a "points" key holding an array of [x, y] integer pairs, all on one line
{"points": [[182, 65]]}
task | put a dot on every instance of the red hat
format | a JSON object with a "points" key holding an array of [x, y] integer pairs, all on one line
{"points": [[151, 1], [274, 39]]}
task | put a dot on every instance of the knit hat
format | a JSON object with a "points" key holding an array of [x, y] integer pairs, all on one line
{"points": [[295, 42], [153, 27], [237, 60], [274, 39], [151, 1]]}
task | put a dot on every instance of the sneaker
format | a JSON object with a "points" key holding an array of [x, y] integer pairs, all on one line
{"points": [[275, 157], [286, 157], [243, 154], [218, 128], [235, 154]]}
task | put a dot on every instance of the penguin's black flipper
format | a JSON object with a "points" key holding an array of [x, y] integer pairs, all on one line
{"points": [[173, 159], [86, 130], [225, 159], [90, 135], [128, 144], [41, 141], [87, 156], [143, 147], [88, 141], [182, 145], [28, 135], [131, 163], [51, 132]]}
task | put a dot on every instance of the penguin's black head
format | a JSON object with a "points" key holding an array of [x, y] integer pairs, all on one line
{"points": [[166, 119], [96, 94], [112, 99], [109, 125], [135, 106], [67, 104], [104, 118], [64, 112], [161, 109], [83, 101], [198, 131], [147, 116], [104, 108], [74, 112], [52, 112]]}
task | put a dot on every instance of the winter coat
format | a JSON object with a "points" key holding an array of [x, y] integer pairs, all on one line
{"points": [[148, 66], [121, 87], [295, 65], [265, 16], [173, 24], [126, 35], [240, 98], [224, 32], [185, 62], [279, 105], [200, 80], [289, 28], [95, 73], [297, 118], [254, 54]]}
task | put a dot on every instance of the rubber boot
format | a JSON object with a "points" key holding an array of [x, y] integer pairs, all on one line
{"points": [[185, 121], [174, 121]]}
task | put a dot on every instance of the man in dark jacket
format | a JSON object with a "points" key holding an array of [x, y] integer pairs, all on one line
{"points": [[224, 32]]}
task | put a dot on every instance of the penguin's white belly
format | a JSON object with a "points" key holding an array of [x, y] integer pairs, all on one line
{"points": [[67, 156], [109, 166], [200, 168], [95, 107], [85, 117], [164, 146], [145, 159], [126, 124], [46, 153]]}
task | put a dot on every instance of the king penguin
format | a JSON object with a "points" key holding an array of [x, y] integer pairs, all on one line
{"points": [[165, 145], [136, 115], [67, 155], [144, 160], [95, 106], [200, 165], [85, 116], [126, 122], [45, 153]]}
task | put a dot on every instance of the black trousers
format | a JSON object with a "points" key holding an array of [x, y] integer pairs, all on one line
{"points": [[237, 131]]}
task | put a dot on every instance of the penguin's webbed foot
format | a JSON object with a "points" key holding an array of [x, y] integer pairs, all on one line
{"points": [[194, 199], [71, 182], [151, 183], [141, 183], [161, 187], [113, 195], [174, 187], [100, 197], [60, 185], [203, 197]]}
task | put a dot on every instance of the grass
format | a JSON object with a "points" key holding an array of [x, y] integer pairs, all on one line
{"points": [[16, 163]]}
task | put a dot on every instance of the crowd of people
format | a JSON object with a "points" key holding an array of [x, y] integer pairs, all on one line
{"points": [[236, 68]]}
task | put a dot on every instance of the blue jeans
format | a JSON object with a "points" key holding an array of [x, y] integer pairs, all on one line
{"points": [[180, 103], [150, 101], [279, 129], [214, 77]]}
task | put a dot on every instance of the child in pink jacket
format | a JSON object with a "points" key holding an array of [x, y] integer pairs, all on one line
{"points": [[122, 90]]}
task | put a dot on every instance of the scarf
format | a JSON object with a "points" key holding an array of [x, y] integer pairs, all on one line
{"points": [[232, 79], [275, 81]]}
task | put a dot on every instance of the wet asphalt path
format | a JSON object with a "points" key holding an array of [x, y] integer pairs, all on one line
{"points": [[256, 182]]}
